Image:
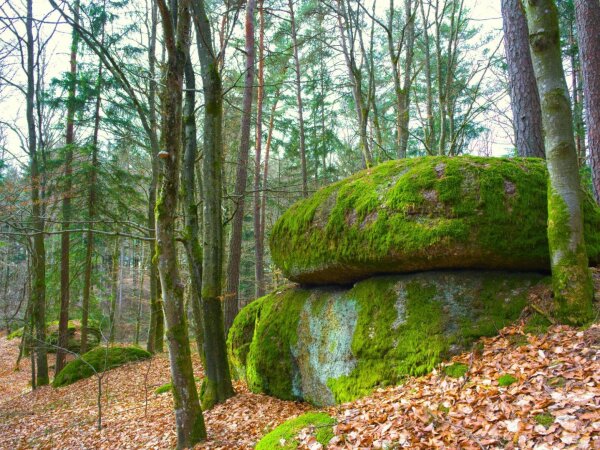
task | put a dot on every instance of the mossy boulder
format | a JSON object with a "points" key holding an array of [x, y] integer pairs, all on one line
{"points": [[334, 344], [423, 214], [285, 435], [73, 335], [98, 360]]}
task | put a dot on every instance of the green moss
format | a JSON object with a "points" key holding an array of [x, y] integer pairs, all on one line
{"points": [[269, 361], [537, 324], [545, 419], [164, 388], [240, 337], [456, 370], [506, 380], [518, 340], [422, 214], [572, 282], [98, 360], [168, 387], [284, 436], [400, 326]]}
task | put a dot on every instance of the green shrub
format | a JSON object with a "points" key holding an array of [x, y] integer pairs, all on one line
{"points": [[284, 436], [98, 360]]}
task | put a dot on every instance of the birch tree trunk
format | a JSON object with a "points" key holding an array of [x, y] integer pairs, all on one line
{"points": [[524, 96], [572, 283]]}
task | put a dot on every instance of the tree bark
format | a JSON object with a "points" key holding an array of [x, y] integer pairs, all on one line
{"points": [[89, 248], [299, 99], [216, 387], [588, 30], [114, 285], [156, 327], [235, 242], [65, 241], [572, 283], [259, 270], [192, 243], [38, 291], [188, 415], [524, 96]]}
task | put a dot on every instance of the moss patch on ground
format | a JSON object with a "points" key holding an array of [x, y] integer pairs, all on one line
{"points": [[506, 380], [284, 436], [456, 370], [423, 214], [98, 360]]}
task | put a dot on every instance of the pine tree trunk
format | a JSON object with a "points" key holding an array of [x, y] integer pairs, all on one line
{"points": [[299, 100], [524, 96], [89, 247], [155, 328], [188, 415], [573, 291], [114, 285], [588, 29], [259, 270], [216, 387], [65, 241], [235, 242], [38, 291]]}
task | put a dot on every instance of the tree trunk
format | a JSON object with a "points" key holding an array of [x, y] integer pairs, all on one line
{"points": [[259, 270], [216, 387], [524, 96], [192, 244], [65, 238], [588, 29], [38, 291], [299, 99], [89, 248], [155, 328], [114, 272], [235, 242], [188, 415], [573, 291]]}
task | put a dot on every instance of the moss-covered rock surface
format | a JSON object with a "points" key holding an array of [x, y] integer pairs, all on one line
{"points": [[423, 214], [96, 361], [334, 344], [284, 436]]}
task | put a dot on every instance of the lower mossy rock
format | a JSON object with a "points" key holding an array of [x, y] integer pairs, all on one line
{"points": [[285, 435], [98, 360], [73, 335], [423, 214], [334, 344]]}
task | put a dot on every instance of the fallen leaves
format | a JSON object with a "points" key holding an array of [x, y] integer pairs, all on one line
{"points": [[557, 379], [554, 404]]}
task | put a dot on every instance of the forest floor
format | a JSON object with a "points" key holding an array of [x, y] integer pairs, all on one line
{"points": [[552, 403]]}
